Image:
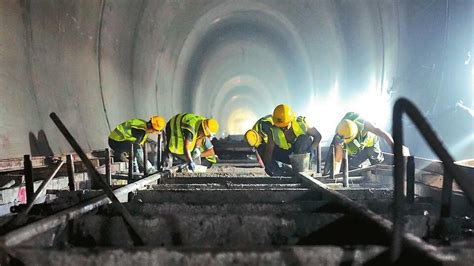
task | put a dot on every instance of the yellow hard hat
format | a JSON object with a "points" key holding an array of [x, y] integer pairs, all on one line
{"points": [[253, 138], [210, 127], [347, 129], [158, 122], [282, 115]]}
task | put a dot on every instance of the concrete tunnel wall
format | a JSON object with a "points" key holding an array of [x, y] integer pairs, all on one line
{"points": [[97, 63]]}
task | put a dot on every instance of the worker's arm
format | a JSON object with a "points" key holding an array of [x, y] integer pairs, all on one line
{"points": [[338, 154], [188, 144], [187, 149], [259, 158], [267, 156], [312, 131], [379, 132], [386, 136], [208, 152], [139, 135]]}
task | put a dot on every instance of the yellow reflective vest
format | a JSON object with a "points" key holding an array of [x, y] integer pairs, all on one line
{"points": [[299, 128], [188, 121], [259, 126], [123, 132]]}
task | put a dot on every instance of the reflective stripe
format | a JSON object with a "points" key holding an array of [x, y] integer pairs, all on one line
{"points": [[116, 131], [259, 126], [211, 159], [299, 128], [363, 139], [179, 122], [123, 131], [280, 139]]}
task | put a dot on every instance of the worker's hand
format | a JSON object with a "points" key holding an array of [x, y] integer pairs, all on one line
{"points": [[405, 151], [196, 153], [192, 166]]}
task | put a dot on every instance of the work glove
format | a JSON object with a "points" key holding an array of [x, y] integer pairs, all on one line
{"points": [[124, 157], [196, 153], [191, 166]]}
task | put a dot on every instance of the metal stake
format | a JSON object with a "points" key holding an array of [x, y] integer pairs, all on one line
{"points": [[159, 155], [446, 195], [108, 174], [29, 182], [345, 177], [70, 172], [318, 160], [21, 217], [133, 229], [145, 160], [410, 179], [130, 163], [333, 151]]}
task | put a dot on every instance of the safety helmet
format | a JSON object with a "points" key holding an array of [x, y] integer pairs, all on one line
{"points": [[282, 115], [347, 129], [253, 138], [158, 122], [210, 127]]}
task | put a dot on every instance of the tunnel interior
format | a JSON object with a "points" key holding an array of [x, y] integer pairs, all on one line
{"points": [[98, 63]]}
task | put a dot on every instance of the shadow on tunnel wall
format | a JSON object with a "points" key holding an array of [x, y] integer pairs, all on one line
{"points": [[39, 146]]}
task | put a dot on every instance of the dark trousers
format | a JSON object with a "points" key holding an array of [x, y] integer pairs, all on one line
{"points": [[373, 154], [121, 147], [302, 145]]}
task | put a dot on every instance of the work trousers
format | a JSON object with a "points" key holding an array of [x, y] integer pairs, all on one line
{"points": [[373, 154], [280, 162], [121, 152]]}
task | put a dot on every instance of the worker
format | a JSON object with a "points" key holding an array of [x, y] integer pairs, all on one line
{"points": [[289, 134], [187, 134], [257, 137], [360, 139], [135, 131]]}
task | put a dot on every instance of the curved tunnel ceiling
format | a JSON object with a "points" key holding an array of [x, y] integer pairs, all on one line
{"points": [[251, 43], [97, 63]]}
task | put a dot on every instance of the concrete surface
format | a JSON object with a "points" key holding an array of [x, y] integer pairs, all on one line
{"points": [[97, 63], [321, 255]]}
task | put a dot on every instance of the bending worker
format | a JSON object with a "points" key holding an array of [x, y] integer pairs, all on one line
{"points": [[188, 138], [134, 131], [289, 134], [360, 139], [257, 137]]}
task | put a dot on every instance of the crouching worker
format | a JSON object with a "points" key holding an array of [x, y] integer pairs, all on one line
{"points": [[361, 140], [289, 135], [134, 131], [188, 138]]}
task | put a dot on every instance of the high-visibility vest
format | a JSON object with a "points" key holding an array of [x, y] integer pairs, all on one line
{"points": [[259, 126], [299, 127], [123, 132], [364, 138], [190, 122]]}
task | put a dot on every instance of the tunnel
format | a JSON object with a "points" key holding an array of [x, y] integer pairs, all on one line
{"points": [[98, 63], [371, 161]]}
